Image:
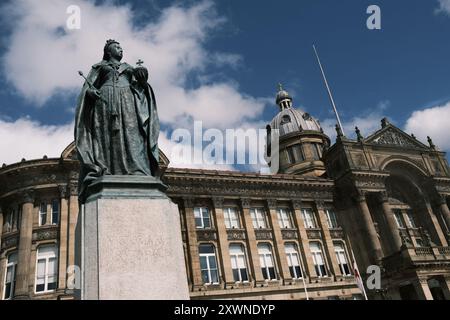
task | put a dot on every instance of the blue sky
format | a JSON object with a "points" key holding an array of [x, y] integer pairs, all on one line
{"points": [[208, 55]]}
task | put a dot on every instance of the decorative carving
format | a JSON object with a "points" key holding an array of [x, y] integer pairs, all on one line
{"points": [[206, 235], [45, 234], [236, 234], [296, 204], [320, 204], [337, 233], [188, 202], [245, 202], [314, 233], [28, 196], [289, 234], [383, 196], [73, 188], [392, 137], [10, 241], [218, 202], [271, 203], [263, 234], [62, 191]]}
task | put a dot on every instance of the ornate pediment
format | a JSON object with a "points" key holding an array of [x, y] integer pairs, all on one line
{"points": [[392, 136]]}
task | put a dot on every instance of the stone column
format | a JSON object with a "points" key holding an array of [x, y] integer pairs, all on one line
{"points": [[306, 252], [445, 211], [375, 253], [278, 241], [72, 220], [252, 247], [1, 228], [63, 237], [423, 290], [192, 243], [435, 226], [328, 241], [3, 261], [389, 215], [24, 252], [222, 235]]}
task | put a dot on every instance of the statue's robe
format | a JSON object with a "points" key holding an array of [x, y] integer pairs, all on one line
{"points": [[118, 134]]}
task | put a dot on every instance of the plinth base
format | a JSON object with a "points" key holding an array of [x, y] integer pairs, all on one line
{"points": [[131, 245]]}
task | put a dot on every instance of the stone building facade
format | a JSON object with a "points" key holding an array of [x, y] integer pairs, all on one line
{"points": [[290, 235]]}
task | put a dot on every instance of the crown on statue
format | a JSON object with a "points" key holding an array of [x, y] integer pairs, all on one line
{"points": [[109, 42]]}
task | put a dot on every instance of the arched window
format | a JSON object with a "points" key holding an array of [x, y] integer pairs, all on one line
{"points": [[293, 259], [10, 276], [266, 261], [238, 263], [208, 264], [341, 257], [318, 259], [46, 268]]}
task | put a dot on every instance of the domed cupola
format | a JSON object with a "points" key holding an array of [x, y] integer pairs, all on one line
{"points": [[301, 138]]}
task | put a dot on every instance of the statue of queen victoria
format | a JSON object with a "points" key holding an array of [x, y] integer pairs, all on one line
{"points": [[116, 124]]}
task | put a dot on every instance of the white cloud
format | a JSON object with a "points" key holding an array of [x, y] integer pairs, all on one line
{"points": [[431, 122], [43, 57], [29, 139], [444, 7]]}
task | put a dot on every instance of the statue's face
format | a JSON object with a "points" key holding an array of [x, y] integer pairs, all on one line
{"points": [[116, 51]]}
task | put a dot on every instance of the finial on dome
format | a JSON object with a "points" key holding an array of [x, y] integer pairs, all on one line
{"points": [[283, 100]]}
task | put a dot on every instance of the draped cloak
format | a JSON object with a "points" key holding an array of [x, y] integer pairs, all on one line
{"points": [[118, 134]]}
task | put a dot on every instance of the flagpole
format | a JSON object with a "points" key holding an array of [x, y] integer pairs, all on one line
{"points": [[330, 95], [356, 265]]}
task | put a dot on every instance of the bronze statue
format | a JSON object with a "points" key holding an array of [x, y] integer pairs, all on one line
{"points": [[116, 125]]}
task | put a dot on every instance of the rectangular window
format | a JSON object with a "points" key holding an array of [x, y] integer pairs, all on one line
{"points": [[258, 218], [208, 264], [315, 151], [290, 155], [331, 219], [238, 263], [10, 277], [9, 221], [298, 152], [46, 269], [308, 218], [55, 211], [284, 218], [231, 218], [319, 262], [293, 261], [411, 221], [342, 259], [202, 218], [266, 261], [398, 218], [43, 214]]}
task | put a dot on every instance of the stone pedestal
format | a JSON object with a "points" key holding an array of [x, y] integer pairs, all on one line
{"points": [[130, 239]]}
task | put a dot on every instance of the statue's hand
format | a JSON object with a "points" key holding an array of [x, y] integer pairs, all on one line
{"points": [[141, 75], [93, 93]]}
